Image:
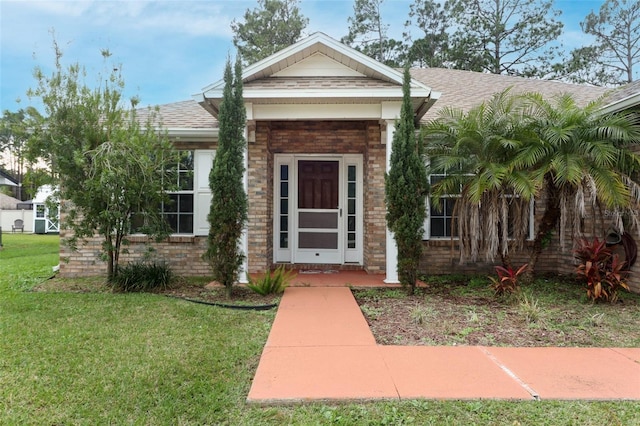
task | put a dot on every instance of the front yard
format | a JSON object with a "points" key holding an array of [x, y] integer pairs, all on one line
{"points": [[457, 310], [102, 358]]}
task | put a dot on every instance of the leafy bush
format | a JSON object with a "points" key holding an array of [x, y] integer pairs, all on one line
{"points": [[142, 276], [507, 281], [271, 283], [601, 269]]}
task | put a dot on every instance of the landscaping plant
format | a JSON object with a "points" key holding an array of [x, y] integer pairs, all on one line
{"points": [[142, 276], [110, 164], [601, 269], [405, 192], [228, 213], [271, 283], [507, 281]]}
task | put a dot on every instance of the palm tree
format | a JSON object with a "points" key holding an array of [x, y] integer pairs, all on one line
{"points": [[472, 155], [514, 148], [580, 157]]}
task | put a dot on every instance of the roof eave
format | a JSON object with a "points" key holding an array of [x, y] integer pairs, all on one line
{"points": [[192, 134], [622, 104]]}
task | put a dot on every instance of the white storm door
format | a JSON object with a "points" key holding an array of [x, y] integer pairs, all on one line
{"points": [[317, 211]]}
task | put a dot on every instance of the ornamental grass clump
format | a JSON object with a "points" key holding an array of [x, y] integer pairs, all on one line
{"points": [[142, 276], [272, 282]]}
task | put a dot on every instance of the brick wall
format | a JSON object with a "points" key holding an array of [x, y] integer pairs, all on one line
{"points": [[182, 253], [315, 137], [375, 225], [442, 256]]}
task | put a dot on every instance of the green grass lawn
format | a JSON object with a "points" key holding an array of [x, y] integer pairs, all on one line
{"points": [[102, 358]]}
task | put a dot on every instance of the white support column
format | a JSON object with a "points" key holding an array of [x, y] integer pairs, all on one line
{"points": [[392, 248], [244, 239]]}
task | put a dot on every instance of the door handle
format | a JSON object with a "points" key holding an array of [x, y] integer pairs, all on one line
{"points": [[340, 212]]}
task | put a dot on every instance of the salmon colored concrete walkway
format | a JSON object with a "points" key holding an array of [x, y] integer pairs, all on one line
{"points": [[320, 348]]}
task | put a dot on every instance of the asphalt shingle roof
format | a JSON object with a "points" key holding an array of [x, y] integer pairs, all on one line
{"points": [[8, 203], [184, 115], [623, 92], [459, 89], [466, 89]]}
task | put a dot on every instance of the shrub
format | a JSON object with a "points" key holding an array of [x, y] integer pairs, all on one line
{"points": [[142, 276], [271, 283], [602, 270], [507, 281]]}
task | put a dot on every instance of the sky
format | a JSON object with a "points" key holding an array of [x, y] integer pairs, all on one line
{"points": [[167, 50]]}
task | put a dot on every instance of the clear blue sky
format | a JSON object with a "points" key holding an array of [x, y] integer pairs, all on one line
{"points": [[168, 50]]}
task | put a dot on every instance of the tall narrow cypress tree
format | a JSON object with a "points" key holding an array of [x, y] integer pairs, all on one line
{"points": [[405, 191], [228, 214]]}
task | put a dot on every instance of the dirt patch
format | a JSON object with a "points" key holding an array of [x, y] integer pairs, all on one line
{"points": [[462, 314]]}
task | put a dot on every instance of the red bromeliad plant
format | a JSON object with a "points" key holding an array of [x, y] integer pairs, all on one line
{"points": [[507, 281], [601, 269]]}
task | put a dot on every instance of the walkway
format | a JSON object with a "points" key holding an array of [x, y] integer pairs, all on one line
{"points": [[320, 348]]}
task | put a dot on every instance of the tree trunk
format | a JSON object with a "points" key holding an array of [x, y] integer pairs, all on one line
{"points": [[548, 223], [228, 290], [110, 275]]}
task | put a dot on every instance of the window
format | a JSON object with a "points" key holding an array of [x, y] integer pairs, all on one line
{"points": [[352, 198], [178, 211], [284, 206], [440, 215]]}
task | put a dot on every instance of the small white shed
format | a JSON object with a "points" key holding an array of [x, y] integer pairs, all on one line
{"points": [[46, 212]]}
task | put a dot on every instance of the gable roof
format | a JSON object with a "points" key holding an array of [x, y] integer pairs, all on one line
{"points": [[332, 71], [456, 89], [319, 69]]}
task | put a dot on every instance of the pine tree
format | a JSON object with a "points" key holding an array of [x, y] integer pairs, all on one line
{"points": [[368, 33], [405, 191], [228, 213], [268, 28]]}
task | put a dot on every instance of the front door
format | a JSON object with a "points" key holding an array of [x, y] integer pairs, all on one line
{"points": [[318, 212], [318, 209]]}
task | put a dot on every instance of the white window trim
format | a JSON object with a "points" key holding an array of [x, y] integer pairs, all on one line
{"points": [[427, 222], [351, 256]]}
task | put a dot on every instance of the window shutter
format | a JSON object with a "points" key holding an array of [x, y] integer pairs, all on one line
{"points": [[203, 161]]}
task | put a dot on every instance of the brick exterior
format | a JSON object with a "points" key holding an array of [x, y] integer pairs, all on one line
{"points": [[315, 137], [184, 253], [293, 137], [441, 256]]}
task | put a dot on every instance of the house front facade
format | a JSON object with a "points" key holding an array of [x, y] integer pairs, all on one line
{"points": [[320, 124]]}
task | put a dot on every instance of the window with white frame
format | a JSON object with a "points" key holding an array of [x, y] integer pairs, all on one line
{"points": [[188, 206], [440, 214], [179, 210]]}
